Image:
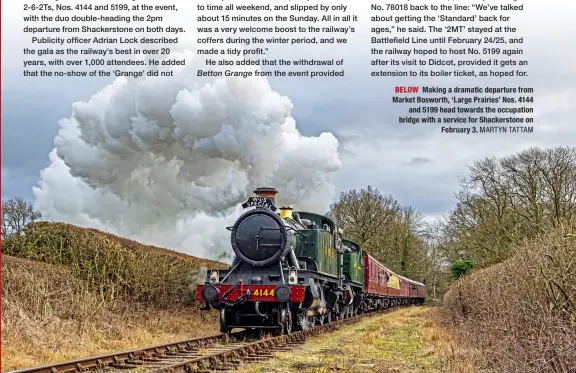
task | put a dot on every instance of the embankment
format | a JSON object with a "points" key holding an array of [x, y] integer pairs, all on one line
{"points": [[521, 313], [69, 292]]}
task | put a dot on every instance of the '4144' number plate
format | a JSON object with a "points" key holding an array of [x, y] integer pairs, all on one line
{"points": [[264, 292]]}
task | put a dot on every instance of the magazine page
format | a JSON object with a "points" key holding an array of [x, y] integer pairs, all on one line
{"points": [[288, 186]]}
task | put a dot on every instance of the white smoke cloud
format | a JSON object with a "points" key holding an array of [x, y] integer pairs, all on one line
{"points": [[168, 160]]}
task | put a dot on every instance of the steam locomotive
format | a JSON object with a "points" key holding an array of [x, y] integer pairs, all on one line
{"points": [[293, 270]]}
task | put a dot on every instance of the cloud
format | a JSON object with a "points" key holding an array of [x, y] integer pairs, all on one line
{"points": [[423, 171], [167, 160], [418, 161]]}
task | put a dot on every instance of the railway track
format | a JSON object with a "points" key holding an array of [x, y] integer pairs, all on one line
{"points": [[207, 354], [153, 356]]}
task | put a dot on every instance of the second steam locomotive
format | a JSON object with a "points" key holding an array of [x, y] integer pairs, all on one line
{"points": [[293, 270]]}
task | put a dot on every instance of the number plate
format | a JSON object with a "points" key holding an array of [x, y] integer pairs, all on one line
{"points": [[263, 293]]}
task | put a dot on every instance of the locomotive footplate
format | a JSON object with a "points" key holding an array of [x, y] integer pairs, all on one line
{"points": [[262, 293]]}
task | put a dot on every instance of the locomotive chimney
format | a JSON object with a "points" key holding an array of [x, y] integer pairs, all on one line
{"points": [[266, 193]]}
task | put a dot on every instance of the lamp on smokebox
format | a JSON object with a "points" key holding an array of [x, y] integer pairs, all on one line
{"points": [[214, 276], [293, 277]]}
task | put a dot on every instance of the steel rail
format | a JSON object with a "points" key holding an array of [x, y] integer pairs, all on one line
{"points": [[235, 355], [118, 358]]}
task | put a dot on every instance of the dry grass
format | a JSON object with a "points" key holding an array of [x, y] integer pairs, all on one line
{"points": [[48, 316], [443, 343], [522, 312], [402, 341], [94, 293]]}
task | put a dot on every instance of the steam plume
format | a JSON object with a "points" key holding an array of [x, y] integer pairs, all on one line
{"points": [[167, 160]]}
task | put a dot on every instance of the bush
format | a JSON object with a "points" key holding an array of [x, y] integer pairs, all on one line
{"points": [[522, 311], [461, 268], [432, 302], [113, 267], [50, 315]]}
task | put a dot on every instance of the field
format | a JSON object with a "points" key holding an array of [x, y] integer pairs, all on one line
{"points": [[69, 292]]}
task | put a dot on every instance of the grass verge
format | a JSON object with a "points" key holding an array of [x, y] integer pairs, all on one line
{"points": [[407, 340]]}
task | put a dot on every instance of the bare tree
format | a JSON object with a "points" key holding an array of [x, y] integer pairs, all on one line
{"points": [[436, 276], [364, 213], [390, 232], [17, 214], [503, 201]]}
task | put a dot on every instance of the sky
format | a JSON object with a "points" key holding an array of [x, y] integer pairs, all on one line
{"points": [[364, 144]]}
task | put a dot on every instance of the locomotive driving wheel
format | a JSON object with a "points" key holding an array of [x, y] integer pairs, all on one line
{"points": [[223, 327], [336, 311], [305, 321], [285, 320], [288, 326], [344, 312], [326, 318]]}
